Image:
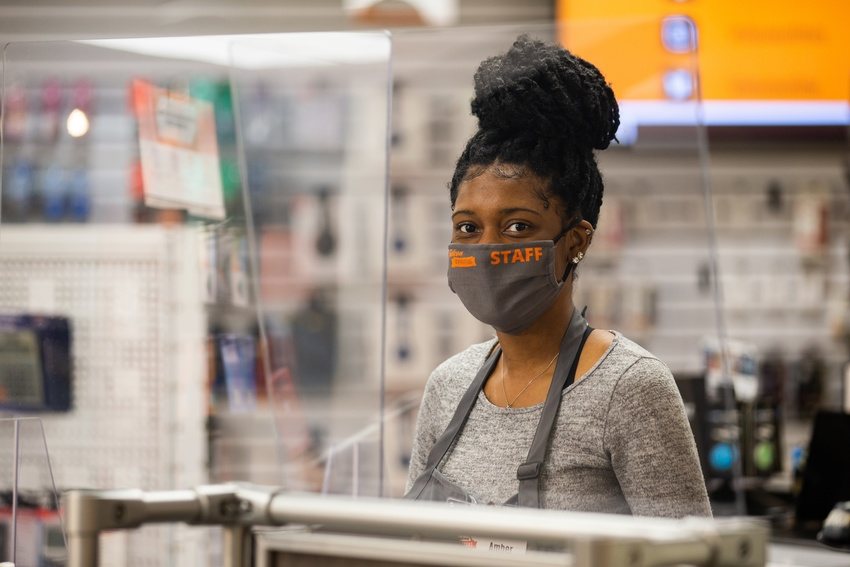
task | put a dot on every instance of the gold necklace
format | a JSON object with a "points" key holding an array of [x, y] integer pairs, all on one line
{"points": [[505, 391]]}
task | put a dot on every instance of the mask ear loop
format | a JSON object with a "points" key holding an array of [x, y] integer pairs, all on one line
{"points": [[570, 265]]}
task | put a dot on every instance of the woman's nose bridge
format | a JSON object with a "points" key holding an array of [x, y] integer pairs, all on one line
{"points": [[490, 235]]}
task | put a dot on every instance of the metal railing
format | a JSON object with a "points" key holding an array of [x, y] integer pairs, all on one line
{"points": [[595, 540]]}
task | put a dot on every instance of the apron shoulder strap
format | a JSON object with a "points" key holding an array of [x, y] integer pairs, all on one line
{"points": [[528, 473], [464, 408]]}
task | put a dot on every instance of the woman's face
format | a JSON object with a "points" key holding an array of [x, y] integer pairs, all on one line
{"points": [[498, 209], [494, 209]]}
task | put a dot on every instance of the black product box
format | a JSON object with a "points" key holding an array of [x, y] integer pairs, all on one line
{"points": [[35, 363]]}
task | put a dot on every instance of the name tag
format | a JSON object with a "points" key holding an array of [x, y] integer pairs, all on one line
{"points": [[488, 545]]}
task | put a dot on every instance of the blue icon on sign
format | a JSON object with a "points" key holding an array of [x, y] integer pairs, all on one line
{"points": [[679, 34], [679, 84]]}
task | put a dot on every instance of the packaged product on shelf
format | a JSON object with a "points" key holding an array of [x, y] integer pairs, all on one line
{"points": [[238, 366], [35, 363], [179, 151], [811, 213], [742, 367]]}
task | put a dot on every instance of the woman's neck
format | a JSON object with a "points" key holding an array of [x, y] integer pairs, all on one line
{"points": [[534, 347]]}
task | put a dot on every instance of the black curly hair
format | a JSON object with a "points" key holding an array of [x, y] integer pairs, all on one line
{"points": [[543, 109]]}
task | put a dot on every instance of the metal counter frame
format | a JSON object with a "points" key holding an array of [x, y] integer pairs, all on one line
{"points": [[593, 540]]}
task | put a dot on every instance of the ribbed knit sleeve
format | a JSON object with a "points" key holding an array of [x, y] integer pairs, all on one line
{"points": [[651, 446], [426, 431]]}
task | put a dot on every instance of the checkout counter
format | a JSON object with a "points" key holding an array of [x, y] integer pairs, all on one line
{"points": [[334, 531]]}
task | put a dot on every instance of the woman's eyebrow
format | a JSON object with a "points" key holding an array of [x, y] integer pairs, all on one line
{"points": [[513, 210], [508, 211]]}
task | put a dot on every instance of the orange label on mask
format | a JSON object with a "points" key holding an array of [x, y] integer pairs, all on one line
{"points": [[463, 262]]}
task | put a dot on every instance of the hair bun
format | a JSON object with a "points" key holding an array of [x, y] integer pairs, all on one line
{"points": [[542, 90]]}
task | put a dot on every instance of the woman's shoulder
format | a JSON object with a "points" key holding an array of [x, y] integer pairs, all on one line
{"points": [[635, 368], [626, 363], [624, 354]]}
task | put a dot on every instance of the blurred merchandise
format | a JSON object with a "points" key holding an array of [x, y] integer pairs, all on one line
{"points": [[741, 365], [773, 378], [798, 467], [276, 265], [137, 191], [208, 265], [750, 433], [401, 220], [224, 267], [764, 441], [628, 307], [774, 197], [811, 228], [639, 309], [314, 332], [53, 193], [82, 95], [239, 269], [238, 371], [723, 442], [231, 181], [218, 93], [179, 151], [79, 197], [35, 363], [40, 541], [262, 121], [315, 221], [18, 192], [14, 113], [326, 241], [401, 334], [808, 379], [51, 107]]}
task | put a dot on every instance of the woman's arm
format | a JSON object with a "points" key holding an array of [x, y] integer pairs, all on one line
{"points": [[426, 432], [651, 445]]}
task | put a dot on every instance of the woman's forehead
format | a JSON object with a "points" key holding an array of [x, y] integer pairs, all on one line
{"points": [[492, 187]]}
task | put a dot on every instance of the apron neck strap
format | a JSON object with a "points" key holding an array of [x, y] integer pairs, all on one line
{"points": [[528, 473]]}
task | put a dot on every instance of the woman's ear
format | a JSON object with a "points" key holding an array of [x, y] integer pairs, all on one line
{"points": [[579, 239]]}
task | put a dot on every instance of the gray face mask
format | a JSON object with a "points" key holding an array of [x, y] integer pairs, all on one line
{"points": [[507, 286]]}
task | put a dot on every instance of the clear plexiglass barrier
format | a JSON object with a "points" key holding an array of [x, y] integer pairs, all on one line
{"points": [[223, 259], [649, 269], [192, 267]]}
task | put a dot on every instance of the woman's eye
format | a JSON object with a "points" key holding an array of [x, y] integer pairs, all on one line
{"points": [[465, 227], [517, 227]]}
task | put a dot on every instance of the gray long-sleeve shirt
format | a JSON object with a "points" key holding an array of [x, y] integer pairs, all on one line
{"points": [[621, 443]]}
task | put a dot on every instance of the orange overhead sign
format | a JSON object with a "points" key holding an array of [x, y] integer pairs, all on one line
{"points": [[776, 50]]}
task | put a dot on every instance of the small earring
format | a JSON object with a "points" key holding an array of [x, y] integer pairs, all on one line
{"points": [[578, 258], [588, 232]]}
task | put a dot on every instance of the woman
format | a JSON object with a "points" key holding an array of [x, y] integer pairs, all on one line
{"points": [[552, 413]]}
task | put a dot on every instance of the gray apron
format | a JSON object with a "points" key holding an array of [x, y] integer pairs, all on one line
{"points": [[433, 485]]}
